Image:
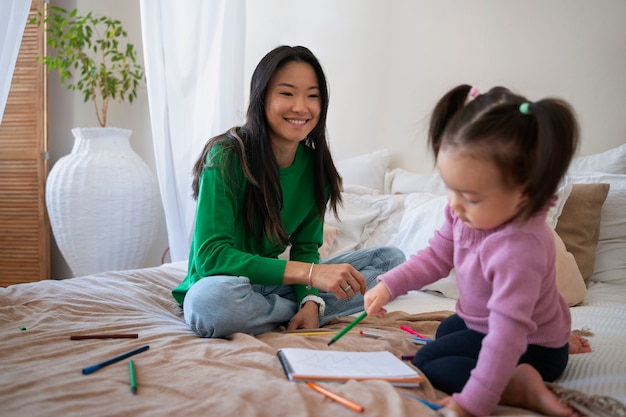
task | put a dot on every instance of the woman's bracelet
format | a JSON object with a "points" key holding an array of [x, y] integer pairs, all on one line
{"points": [[308, 287]]}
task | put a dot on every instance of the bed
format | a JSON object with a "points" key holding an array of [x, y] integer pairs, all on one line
{"points": [[181, 373]]}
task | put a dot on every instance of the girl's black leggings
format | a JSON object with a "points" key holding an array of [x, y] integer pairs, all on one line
{"points": [[448, 360]]}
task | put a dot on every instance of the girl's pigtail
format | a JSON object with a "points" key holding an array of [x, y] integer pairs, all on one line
{"points": [[447, 107], [557, 141]]}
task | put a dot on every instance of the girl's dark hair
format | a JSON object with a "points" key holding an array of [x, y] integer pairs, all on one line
{"points": [[251, 143], [531, 146]]}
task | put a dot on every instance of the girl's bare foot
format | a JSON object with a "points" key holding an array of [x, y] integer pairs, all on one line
{"points": [[527, 390], [578, 344]]}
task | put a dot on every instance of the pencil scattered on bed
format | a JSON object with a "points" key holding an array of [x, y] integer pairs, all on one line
{"points": [[312, 332], [94, 368], [104, 336]]}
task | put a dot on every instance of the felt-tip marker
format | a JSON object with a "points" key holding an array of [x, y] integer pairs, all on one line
{"points": [[94, 368], [413, 332]]}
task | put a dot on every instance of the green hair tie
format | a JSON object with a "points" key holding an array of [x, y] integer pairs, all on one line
{"points": [[524, 108]]}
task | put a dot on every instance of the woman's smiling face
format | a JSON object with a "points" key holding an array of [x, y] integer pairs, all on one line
{"points": [[292, 103]]}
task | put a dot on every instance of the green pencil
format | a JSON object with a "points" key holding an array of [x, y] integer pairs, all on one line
{"points": [[133, 379], [347, 328]]}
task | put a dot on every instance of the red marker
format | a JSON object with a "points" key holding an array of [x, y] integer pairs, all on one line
{"points": [[413, 332]]}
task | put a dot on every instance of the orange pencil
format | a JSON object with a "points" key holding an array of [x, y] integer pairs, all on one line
{"points": [[343, 401]]}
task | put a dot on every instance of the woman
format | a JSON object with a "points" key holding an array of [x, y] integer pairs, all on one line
{"points": [[264, 187]]}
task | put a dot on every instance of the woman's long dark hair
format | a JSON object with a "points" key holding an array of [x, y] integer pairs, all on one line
{"points": [[251, 142]]}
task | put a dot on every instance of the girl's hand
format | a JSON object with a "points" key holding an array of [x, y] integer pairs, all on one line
{"points": [[375, 299], [306, 318]]}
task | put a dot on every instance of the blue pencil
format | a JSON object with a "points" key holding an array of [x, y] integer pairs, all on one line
{"points": [[111, 361], [433, 406]]}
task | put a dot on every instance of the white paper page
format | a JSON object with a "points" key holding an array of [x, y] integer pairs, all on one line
{"points": [[330, 363]]}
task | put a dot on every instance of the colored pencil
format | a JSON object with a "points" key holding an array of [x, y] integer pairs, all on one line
{"points": [[111, 361], [348, 327], [341, 400], [132, 377], [372, 335], [319, 330], [105, 336], [432, 406]]}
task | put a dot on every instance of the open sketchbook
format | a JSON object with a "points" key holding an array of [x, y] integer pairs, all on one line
{"points": [[331, 365]]}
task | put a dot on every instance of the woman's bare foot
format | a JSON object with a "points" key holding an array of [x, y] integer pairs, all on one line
{"points": [[527, 390], [578, 344]]}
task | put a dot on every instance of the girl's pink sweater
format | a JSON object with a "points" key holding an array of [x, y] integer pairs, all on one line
{"points": [[507, 285]]}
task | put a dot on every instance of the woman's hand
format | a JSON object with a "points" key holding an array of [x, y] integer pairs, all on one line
{"points": [[306, 318], [375, 299], [343, 280]]}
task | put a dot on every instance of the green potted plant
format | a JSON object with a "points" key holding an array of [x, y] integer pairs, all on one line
{"points": [[91, 57], [102, 198]]}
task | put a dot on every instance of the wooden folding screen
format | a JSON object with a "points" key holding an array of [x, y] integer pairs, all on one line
{"points": [[24, 225]]}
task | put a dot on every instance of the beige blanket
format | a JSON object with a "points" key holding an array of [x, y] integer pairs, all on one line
{"points": [[180, 374]]}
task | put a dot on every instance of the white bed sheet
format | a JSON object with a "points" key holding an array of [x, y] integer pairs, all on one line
{"points": [[603, 371]]}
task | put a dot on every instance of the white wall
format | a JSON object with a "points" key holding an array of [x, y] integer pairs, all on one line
{"points": [[388, 61]]}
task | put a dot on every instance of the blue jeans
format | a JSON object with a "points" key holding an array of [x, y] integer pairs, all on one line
{"points": [[220, 305]]}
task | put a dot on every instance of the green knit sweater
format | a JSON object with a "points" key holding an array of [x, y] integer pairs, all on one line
{"points": [[221, 244]]}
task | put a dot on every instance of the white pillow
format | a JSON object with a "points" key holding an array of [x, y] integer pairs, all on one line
{"points": [[358, 217], [330, 234], [387, 227], [400, 181], [612, 161], [610, 264], [423, 215], [359, 189], [367, 170], [562, 194]]}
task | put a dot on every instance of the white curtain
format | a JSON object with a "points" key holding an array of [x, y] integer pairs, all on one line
{"points": [[13, 16], [194, 56]]}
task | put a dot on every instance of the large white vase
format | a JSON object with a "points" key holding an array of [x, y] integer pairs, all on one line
{"points": [[102, 201]]}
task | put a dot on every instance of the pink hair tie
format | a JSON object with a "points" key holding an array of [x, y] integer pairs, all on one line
{"points": [[474, 92]]}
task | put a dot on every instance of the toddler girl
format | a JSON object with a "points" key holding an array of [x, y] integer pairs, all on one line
{"points": [[501, 157]]}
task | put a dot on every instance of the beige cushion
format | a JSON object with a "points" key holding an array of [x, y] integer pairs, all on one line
{"points": [[569, 280], [579, 224]]}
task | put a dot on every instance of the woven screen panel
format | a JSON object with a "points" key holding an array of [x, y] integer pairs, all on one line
{"points": [[24, 228]]}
